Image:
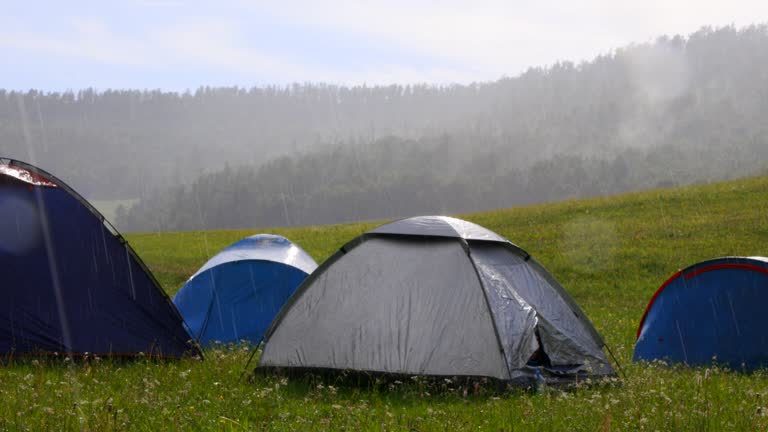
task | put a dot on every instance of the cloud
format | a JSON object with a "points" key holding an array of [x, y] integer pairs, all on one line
{"points": [[91, 40], [505, 37], [216, 44], [484, 39], [196, 44], [213, 45], [406, 41], [159, 3], [221, 45]]}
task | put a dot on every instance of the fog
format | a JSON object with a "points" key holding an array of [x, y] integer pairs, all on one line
{"points": [[675, 111]]}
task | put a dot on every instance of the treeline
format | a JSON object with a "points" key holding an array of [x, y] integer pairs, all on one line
{"points": [[700, 93], [394, 178]]}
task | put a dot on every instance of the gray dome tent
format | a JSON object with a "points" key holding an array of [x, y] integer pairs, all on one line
{"points": [[435, 295]]}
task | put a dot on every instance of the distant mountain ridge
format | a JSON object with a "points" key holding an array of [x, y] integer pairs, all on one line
{"points": [[701, 97]]}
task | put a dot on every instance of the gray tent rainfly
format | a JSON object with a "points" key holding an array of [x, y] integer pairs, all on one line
{"points": [[439, 296]]}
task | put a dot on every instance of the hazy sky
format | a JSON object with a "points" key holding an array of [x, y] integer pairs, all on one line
{"points": [[178, 44]]}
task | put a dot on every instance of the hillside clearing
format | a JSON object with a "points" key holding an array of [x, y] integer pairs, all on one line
{"points": [[610, 253]]}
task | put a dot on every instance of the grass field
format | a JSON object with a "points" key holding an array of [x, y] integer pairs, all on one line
{"points": [[610, 253]]}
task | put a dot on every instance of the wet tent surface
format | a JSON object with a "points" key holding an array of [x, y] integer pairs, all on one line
{"points": [[419, 298], [237, 293], [427, 317], [70, 285], [715, 309], [237, 300], [518, 290], [263, 247]]}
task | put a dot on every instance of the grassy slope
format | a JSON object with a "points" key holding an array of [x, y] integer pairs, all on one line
{"points": [[610, 253]]}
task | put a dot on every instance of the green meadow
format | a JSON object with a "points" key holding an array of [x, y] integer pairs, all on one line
{"points": [[610, 253]]}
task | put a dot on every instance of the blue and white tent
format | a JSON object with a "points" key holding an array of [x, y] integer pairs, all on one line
{"points": [[710, 311], [237, 293], [70, 283]]}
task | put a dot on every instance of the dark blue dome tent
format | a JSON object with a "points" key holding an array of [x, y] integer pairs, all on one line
{"points": [[435, 296], [237, 293], [70, 282], [713, 311]]}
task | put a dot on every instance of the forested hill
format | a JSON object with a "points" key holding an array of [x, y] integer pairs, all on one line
{"points": [[696, 103], [395, 178]]}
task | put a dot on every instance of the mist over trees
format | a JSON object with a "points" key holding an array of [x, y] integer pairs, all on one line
{"points": [[396, 178], [675, 111]]}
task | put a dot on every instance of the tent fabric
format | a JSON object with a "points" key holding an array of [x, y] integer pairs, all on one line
{"points": [[711, 312], [237, 293], [70, 283], [507, 276], [439, 226], [403, 301], [263, 247]]}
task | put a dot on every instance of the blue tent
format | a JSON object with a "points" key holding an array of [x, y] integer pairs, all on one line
{"points": [[237, 293], [713, 310], [70, 282]]}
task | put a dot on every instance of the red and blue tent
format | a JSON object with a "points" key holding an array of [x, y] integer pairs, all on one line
{"points": [[713, 311]]}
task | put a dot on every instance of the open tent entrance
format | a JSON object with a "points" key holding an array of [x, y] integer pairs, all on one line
{"points": [[539, 358]]}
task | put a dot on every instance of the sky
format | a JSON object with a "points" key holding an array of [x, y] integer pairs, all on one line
{"points": [[179, 45]]}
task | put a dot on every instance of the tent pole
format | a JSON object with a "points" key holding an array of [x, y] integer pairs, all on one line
{"points": [[618, 365], [253, 353]]}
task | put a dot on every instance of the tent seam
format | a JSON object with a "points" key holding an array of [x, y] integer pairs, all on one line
{"points": [[488, 307]]}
